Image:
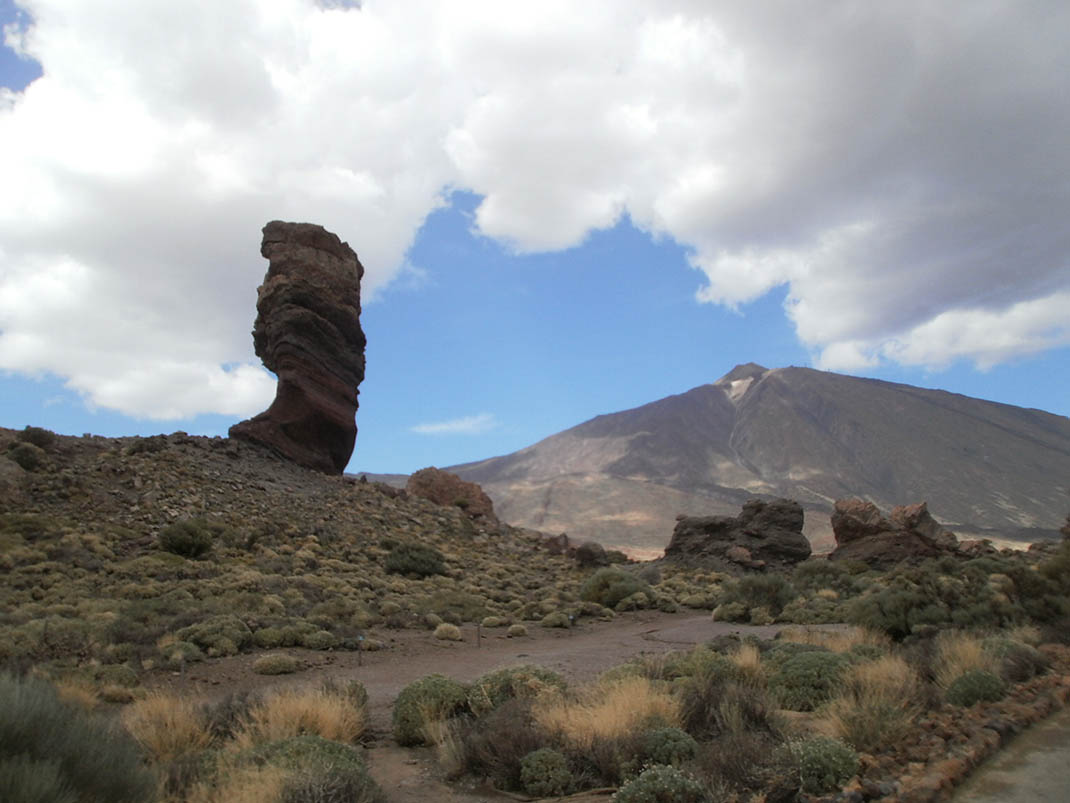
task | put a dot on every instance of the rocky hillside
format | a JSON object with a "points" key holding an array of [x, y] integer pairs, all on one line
{"points": [[986, 469]]}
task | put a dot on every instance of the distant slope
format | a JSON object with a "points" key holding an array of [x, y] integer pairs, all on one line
{"points": [[985, 468]]}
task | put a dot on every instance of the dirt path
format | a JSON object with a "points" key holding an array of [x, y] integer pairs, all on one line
{"points": [[1031, 768], [409, 776]]}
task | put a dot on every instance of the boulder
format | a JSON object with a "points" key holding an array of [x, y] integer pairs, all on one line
{"points": [[444, 488], [591, 554], [909, 534], [765, 535], [308, 334]]}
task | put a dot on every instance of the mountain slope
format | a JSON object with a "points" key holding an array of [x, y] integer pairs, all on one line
{"points": [[985, 468]]}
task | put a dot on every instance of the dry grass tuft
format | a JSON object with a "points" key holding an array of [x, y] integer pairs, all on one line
{"points": [[748, 660], [841, 640], [877, 703], [243, 785], [78, 692], [1027, 634], [293, 712], [956, 653], [607, 711], [167, 727]]}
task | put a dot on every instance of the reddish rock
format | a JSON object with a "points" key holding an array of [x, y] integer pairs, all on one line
{"points": [[769, 532], [308, 334], [444, 488], [910, 534]]}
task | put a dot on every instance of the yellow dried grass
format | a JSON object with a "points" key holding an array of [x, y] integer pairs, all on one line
{"points": [[839, 640], [294, 712], [166, 726], [877, 702], [957, 653], [242, 785], [607, 711], [748, 660]]}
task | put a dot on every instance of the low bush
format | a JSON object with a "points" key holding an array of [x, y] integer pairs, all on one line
{"points": [[225, 634], [713, 703], [668, 746], [824, 765], [975, 686], [610, 585], [38, 436], [806, 680], [545, 773], [493, 745], [27, 455], [332, 785], [519, 682], [1018, 661], [418, 560], [876, 704], [53, 751], [662, 784], [448, 632], [327, 713], [276, 664], [769, 591], [190, 538], [435, 697]]}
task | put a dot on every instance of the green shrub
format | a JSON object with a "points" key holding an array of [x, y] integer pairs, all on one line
{"points": [[333, 785], [179, 653], [668, 746], [430, 698], [448, 632], [662, 784], [48, 748], [419, 560], [38, 436], [730, 612], [975, 686], [319, 640], [555, 619], [806, 680], [219, 635], [516, 631], [610, 585], [633, 602], [770, 591], [545, 773], [276, 664], [190, 538], [324, 771], [824, 764], [1019, 661], [518, 682], [27, 455]]}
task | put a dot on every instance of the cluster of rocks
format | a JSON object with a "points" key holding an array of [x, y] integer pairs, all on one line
{"points": [[765, 535], [909, 533], [308, 333]]}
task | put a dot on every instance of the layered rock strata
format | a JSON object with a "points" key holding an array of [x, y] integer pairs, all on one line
{"points": [[765, 535], [308, 333]]}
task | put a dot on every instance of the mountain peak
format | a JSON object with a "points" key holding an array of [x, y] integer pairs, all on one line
{"points": [[749, 370]]}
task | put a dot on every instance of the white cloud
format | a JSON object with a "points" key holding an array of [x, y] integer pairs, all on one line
{"points": [[469, 425], [899, 167]]}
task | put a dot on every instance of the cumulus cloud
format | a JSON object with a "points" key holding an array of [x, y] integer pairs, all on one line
{"points": [[469, 425], [900, 168]]}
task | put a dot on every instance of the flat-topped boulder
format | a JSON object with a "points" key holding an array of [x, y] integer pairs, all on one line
{"points": [[765, 535]]}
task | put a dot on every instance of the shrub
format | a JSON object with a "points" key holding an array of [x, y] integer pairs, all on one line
{"points": [[610, 585], [190, 538], [668, 746], [662, 784], [219, 635], [494, 744], [975, 686], [276, 664], [713, 703], [555, 619], [333, 785], [27, 455], [448, 632], [419, 560], [435, 697], [49, 748], [519, 682], [516, 631], [956, 653], [824, 765], [1018, 661], [769, 591], [224, 718], [730, 612], [545, 773], [805, 681], [38, 436]]}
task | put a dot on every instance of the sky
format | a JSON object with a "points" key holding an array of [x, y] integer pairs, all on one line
{"points": [[562, 209]]}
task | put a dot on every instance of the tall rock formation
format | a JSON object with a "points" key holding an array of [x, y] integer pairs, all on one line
{"points": [[308, 334]]}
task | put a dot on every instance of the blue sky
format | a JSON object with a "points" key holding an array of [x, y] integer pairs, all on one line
{"points": [[557, 221]]}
